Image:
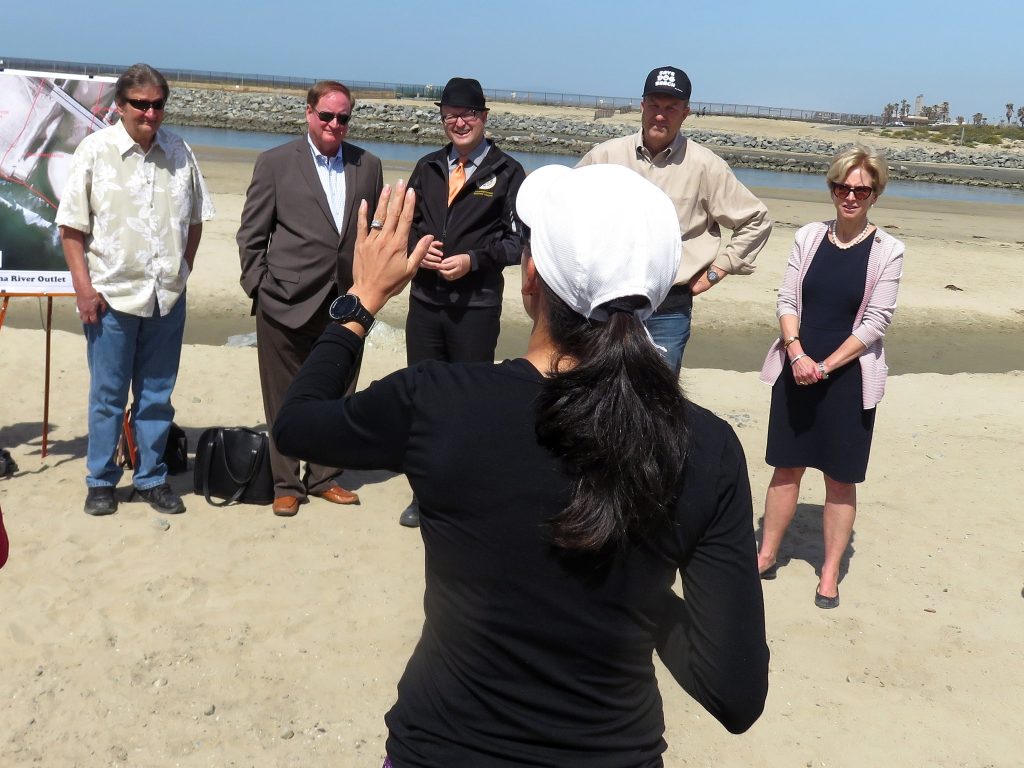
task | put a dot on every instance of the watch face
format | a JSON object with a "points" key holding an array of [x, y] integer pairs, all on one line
{"points": [[712, 276], [344, 307]]}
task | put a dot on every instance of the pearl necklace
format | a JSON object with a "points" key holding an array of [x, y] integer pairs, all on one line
{"points": [[844, 246]]}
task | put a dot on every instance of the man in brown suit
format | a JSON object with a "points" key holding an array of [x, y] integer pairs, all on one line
{"points": [[296, 243]]}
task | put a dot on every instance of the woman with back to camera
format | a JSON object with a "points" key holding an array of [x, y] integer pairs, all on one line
{"points": [[828, 367], [561, 493]]}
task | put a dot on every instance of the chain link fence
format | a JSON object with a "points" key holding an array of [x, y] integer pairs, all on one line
{"points": [[372, 89]]}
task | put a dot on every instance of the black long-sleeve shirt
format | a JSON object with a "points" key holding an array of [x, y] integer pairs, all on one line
{"points": [[531, 656]]}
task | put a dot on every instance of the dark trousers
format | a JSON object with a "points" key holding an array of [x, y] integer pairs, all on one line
{"points": [[281, 352], [451, 334]]}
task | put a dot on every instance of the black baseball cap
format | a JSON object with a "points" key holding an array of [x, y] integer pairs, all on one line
{"points": [[463, 92], [670, 81]]}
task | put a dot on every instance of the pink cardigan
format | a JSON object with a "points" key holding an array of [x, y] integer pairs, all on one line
{"points": [[885, 268]]}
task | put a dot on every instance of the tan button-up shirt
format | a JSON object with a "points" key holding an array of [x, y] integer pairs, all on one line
{"points": [[136, 209], [707, 197]]}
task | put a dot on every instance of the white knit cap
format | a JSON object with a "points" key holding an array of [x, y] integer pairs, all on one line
{"points": [[598, 233]]}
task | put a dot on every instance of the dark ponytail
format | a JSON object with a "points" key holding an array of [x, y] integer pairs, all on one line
{"points": [[616, 419]]}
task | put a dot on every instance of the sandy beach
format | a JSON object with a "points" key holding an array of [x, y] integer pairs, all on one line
{"points": [[230, 637]]}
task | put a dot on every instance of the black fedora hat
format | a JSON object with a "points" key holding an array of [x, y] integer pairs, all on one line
{"points": [[463, 92]]}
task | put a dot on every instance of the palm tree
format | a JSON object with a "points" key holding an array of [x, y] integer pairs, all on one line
{"points": [[959, 119], [1020, 117], [945, 111], [977, 118], [1009, 113]]}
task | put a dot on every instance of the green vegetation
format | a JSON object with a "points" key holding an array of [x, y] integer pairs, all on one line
{"points": [[950, 134]]}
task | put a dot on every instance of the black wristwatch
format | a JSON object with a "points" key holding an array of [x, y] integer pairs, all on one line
{"points": [[348, 309], [713, 276]]}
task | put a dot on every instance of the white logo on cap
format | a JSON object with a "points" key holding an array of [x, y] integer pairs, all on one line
{"points": [[667, 78]]}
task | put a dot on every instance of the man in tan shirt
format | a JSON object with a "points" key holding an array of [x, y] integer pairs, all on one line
{"points": [[707, 197]]}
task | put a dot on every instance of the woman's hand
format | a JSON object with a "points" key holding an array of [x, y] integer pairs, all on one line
{"points": [[805, 370], [383, 265]]}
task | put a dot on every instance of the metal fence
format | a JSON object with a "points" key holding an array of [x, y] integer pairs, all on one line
{"points": [[369, 89]]}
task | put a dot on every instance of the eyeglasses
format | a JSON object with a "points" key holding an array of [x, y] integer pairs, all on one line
{"points": [[327, 117], [144, 106], [469, 116], [842, 191]]}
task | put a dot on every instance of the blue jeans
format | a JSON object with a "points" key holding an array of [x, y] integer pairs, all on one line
{"points": [[143, 352], [671, 330]]}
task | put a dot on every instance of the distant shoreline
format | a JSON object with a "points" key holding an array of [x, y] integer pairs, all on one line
{"points": [[745, 142], [964, 175]]}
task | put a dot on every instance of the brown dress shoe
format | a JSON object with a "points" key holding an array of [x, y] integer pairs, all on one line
{"points": [[338, 495], [286, 506]]}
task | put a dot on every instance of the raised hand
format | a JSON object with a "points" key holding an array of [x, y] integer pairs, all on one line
{"points": [[383, 265]]}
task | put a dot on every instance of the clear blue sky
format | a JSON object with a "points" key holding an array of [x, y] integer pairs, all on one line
{"points": [[804, 54]]}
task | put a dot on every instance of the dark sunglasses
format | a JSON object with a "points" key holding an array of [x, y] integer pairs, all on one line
{"points": [[144, 106], [842, 191], [327, 117]]}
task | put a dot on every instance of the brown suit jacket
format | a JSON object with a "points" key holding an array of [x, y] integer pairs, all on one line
{"points": [[292, 255]]}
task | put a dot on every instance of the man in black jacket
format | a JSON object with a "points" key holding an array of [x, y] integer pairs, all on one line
{"points": [[465, 198]]}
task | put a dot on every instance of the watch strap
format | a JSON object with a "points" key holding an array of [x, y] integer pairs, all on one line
{"points": [[356, 314]]}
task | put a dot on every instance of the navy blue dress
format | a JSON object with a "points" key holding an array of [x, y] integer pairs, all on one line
{"points": [[825, 425]]}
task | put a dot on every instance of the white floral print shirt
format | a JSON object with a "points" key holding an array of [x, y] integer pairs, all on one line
{"points": [[136, 209]]}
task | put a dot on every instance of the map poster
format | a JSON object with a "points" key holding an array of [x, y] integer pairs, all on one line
{"points": [[43, 117]]}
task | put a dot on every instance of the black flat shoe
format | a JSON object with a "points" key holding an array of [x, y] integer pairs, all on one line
{"points": [[826, 602], [770, 572]]}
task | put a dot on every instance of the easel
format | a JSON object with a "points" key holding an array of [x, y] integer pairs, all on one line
{"points": [[49, 328]]}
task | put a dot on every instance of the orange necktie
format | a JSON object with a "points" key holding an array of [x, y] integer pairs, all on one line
{"points": [[456, 180]]}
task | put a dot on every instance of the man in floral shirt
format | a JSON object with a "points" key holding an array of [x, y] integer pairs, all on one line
{"points": [[131, 217]]}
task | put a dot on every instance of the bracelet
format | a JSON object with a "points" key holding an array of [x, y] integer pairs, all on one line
{"points": [[822, 371], [798, 357], [790, 340]]}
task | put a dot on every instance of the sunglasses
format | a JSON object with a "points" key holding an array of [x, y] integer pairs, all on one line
{"points": [[327, 117], [842, 191], [144, 106], [470, 116]]}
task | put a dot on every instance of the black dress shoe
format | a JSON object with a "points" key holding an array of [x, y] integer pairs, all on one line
{"points": [[162, 499], [99, 501], [410, 516]]}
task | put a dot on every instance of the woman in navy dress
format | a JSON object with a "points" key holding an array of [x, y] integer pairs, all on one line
{"points": [[827, 369]]}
